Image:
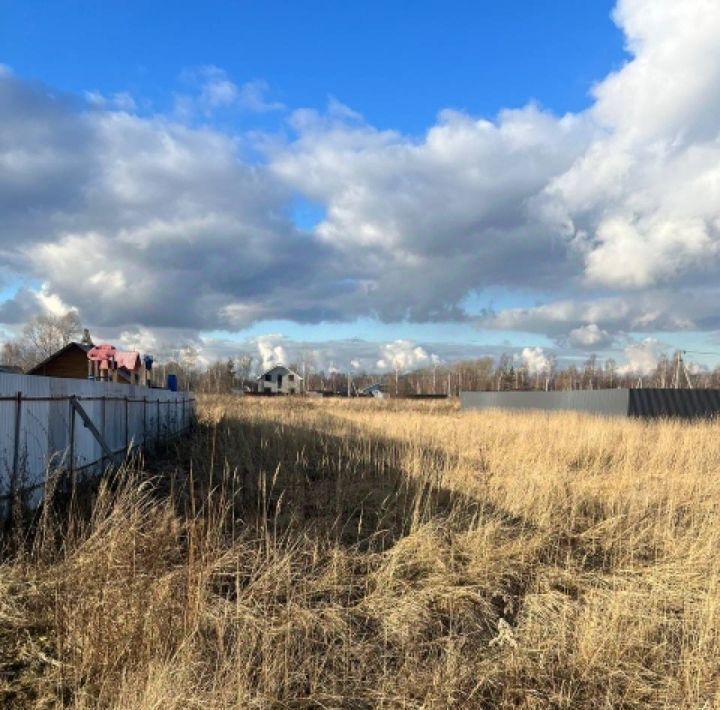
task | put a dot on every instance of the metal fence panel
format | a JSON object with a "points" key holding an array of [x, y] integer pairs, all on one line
{"points": [[46, 439], [7, 444], [604, 402], [646, 402], [684, 403]]}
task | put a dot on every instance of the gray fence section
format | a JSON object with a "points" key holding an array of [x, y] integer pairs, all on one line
{"points": [[606, 402], [674, 403], [646, 402], [41, 431]]}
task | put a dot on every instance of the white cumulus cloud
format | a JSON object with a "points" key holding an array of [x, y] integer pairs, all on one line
{"points": [[607, 219], [271, 353], [403, 355], [590, 337], [641, 358], [535, 360]]}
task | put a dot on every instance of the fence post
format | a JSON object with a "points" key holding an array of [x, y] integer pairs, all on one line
{"points": [[72, 436], [157, 422], [16, 448], [103, 429], [183, 415], [144, 421], [127, 426]]}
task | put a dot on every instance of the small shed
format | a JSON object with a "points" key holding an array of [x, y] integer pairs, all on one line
{"points": [[280, 380], [69, 361]]}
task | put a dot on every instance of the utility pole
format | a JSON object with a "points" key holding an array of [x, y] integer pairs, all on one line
{"points": [[680, 370], [681, 363]]}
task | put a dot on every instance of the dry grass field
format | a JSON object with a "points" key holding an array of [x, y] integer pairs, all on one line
{"points": [[362, 554]]}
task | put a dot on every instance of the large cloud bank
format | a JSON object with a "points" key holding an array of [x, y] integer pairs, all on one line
{"points": [[611, 216]]}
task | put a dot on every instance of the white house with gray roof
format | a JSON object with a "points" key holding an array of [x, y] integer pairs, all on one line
{"points": [[280, 380]]}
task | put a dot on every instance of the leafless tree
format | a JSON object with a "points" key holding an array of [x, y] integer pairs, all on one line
{"points": [[243, 366], [46, 334], [17, 354], [40, 338]]}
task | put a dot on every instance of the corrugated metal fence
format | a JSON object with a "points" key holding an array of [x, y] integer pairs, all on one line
{"points": [[607, 402], [46, 424], [646, 402], [654, 402]]}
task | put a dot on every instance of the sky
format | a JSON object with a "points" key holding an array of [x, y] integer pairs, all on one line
{"points": [[369, 185]]}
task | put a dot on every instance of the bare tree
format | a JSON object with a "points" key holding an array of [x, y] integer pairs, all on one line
{"points": [[46, 334], [17, 354], [308, 363], [589, 372], [243, 366], [610, 372], [41, 337]]}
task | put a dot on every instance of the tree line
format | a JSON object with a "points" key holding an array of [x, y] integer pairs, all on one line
{"points": [[480, 374], [46, 334]]}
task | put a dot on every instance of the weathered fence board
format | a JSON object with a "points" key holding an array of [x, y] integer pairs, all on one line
{"points": [[41, 431]]}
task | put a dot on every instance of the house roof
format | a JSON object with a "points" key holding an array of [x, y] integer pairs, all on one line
{"points": [[130, 360], [72, 344], [11, 369], [106, 353], [275, 367]]}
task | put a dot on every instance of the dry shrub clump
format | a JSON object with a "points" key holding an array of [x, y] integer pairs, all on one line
{"points": [[352, 554]]}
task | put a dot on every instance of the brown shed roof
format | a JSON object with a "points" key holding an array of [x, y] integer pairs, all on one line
{"points": [[72, 344]]}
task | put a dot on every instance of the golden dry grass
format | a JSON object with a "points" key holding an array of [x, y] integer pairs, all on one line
{"points": [[360, 554]]}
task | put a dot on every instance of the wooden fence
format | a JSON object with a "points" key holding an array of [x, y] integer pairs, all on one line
{"points": [[51, 424]]}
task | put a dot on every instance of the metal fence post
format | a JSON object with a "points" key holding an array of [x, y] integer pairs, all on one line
{"points": [[183, 415], [71, 436], [157, 422], [103, 429], [127, 426], [144, 421], [16, 447]]}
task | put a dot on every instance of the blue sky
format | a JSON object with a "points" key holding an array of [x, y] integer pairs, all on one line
{"points": [[397, 63], [476, 173]]}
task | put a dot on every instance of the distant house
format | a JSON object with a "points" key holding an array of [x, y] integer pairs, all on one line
{"points": [[280, 380], [375, 390], [11, 369], [70, 361]]}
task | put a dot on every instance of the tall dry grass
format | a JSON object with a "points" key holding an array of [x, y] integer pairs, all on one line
{"points": [[349, 554]]}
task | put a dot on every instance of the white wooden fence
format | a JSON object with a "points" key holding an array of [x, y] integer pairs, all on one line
{"points": [[50, 424]]}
